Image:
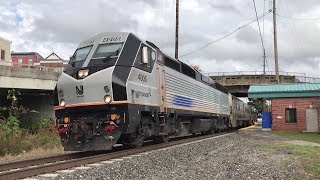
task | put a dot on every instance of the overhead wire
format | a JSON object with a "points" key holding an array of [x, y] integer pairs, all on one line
{"points": [[266, 60], [261, 38], [255, 9], [171, 28], [299, 46], [225, 36], [164, 25]]}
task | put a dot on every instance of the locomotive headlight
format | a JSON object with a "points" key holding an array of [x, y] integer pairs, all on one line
{"points": [[80, 74], [62, 102], [107, 99], [83, 73]]}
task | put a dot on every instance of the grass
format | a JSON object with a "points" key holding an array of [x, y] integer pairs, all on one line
{"points": [[26, 141], [307, 155], [310, 137]]}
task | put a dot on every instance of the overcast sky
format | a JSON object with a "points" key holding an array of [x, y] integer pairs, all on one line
{"points": [[59, 25]]}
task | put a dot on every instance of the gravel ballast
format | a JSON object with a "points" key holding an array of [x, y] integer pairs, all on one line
{"points": [[235, 156]]}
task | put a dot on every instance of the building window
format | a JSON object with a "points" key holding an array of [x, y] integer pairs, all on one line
{"points": [[291, 115], [3, 54], [20, 62], [30, 62]]}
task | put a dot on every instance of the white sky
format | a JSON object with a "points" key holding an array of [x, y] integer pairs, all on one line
{"points": [[59, 25]]}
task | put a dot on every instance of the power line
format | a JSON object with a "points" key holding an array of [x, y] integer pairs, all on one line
{"points": [[299, 19], [263, 49], [164, 27], [225, 36], [255, 9]]}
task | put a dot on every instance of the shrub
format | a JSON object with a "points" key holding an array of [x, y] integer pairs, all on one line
{"points": [[19, 137], [10, 126]]}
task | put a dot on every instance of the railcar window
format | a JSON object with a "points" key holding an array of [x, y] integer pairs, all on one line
{"points": [[107, 50], [81, 54], [291, 115], [205, 79], [171, 64], [187, 70], [198, 76]]}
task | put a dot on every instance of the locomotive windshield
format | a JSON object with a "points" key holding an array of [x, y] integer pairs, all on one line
{"points": [[81, 54], [108, 50]]}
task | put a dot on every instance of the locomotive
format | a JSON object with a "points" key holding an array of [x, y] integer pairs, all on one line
{"points": [[118, 88]]}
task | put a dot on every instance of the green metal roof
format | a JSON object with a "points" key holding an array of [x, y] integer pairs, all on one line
{"points": [[284, 90]]}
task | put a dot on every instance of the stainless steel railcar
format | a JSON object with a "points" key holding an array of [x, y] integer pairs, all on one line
{"points": [[118, 88]]}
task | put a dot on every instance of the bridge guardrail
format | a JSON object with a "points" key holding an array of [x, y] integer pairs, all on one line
{"points": [[254, 73], [301, 77]]}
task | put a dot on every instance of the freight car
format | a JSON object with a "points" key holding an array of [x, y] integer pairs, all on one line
{"points": [[118, 88]]}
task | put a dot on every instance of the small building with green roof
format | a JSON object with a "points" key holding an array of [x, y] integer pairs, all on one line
{"points": [[294, 107]]}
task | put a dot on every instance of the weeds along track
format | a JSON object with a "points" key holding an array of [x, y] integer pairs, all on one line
{"points": [[28, 168]]}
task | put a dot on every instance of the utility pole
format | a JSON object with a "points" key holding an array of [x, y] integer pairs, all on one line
{"points": [[264, 62], [176, 55], [275, 42], [264, 109]]}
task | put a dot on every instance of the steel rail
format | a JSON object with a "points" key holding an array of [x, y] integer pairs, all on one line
{"points": [[32, 162]]}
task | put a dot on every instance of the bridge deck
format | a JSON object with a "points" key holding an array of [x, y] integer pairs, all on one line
{"points": [[28, 78]]}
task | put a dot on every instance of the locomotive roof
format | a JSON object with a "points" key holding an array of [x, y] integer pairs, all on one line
{"points": [[105, 37]]}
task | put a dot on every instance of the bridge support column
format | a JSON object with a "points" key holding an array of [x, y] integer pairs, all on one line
{"points": [[36, 100]]}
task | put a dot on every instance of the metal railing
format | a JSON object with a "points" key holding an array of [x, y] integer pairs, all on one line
{"points": [[307, 79], [300, 77], [237, 73]]}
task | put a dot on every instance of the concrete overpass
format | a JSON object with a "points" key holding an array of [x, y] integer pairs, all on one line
{"points": [[238, 82], [41, 78], [36, 85]]}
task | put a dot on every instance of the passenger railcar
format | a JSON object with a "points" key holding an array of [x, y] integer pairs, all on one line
{"points": [[118, 88]]}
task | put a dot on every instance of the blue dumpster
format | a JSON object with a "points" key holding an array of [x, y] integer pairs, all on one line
{"points": [[266, 120]]}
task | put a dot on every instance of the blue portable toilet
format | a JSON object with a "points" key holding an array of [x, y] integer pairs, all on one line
{"points": [[266, 120]]}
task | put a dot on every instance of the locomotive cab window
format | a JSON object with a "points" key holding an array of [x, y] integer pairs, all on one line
{"points": [[291, 115], [108, 50], [148, 56], [81, 54]]}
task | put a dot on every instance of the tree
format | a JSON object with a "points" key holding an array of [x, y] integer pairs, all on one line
{"points": [[9, 123], [258, 104], [196, 67]]}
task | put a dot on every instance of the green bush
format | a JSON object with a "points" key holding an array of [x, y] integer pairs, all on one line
{"points": [[20, 136], [10, 126], [35, 126]]}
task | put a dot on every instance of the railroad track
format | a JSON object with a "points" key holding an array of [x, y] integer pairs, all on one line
{"points": [[23, 169]]}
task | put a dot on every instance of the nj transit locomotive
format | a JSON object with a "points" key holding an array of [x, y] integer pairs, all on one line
{"points": [[118, 88]]}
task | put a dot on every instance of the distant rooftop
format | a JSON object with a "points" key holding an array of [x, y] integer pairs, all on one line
{"points": [[26, 54], [284, 90], [3, 38]]}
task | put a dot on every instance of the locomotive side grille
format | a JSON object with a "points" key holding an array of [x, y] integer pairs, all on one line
{"points": [[184, 91]]}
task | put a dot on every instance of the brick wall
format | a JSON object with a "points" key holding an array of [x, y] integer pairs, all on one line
{"points": [[25, 60], [301, 104]]}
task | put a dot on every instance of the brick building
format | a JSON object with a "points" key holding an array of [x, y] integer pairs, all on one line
{"points": [[294, 107], [25, 59], [5, 49], [53, 60]]}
